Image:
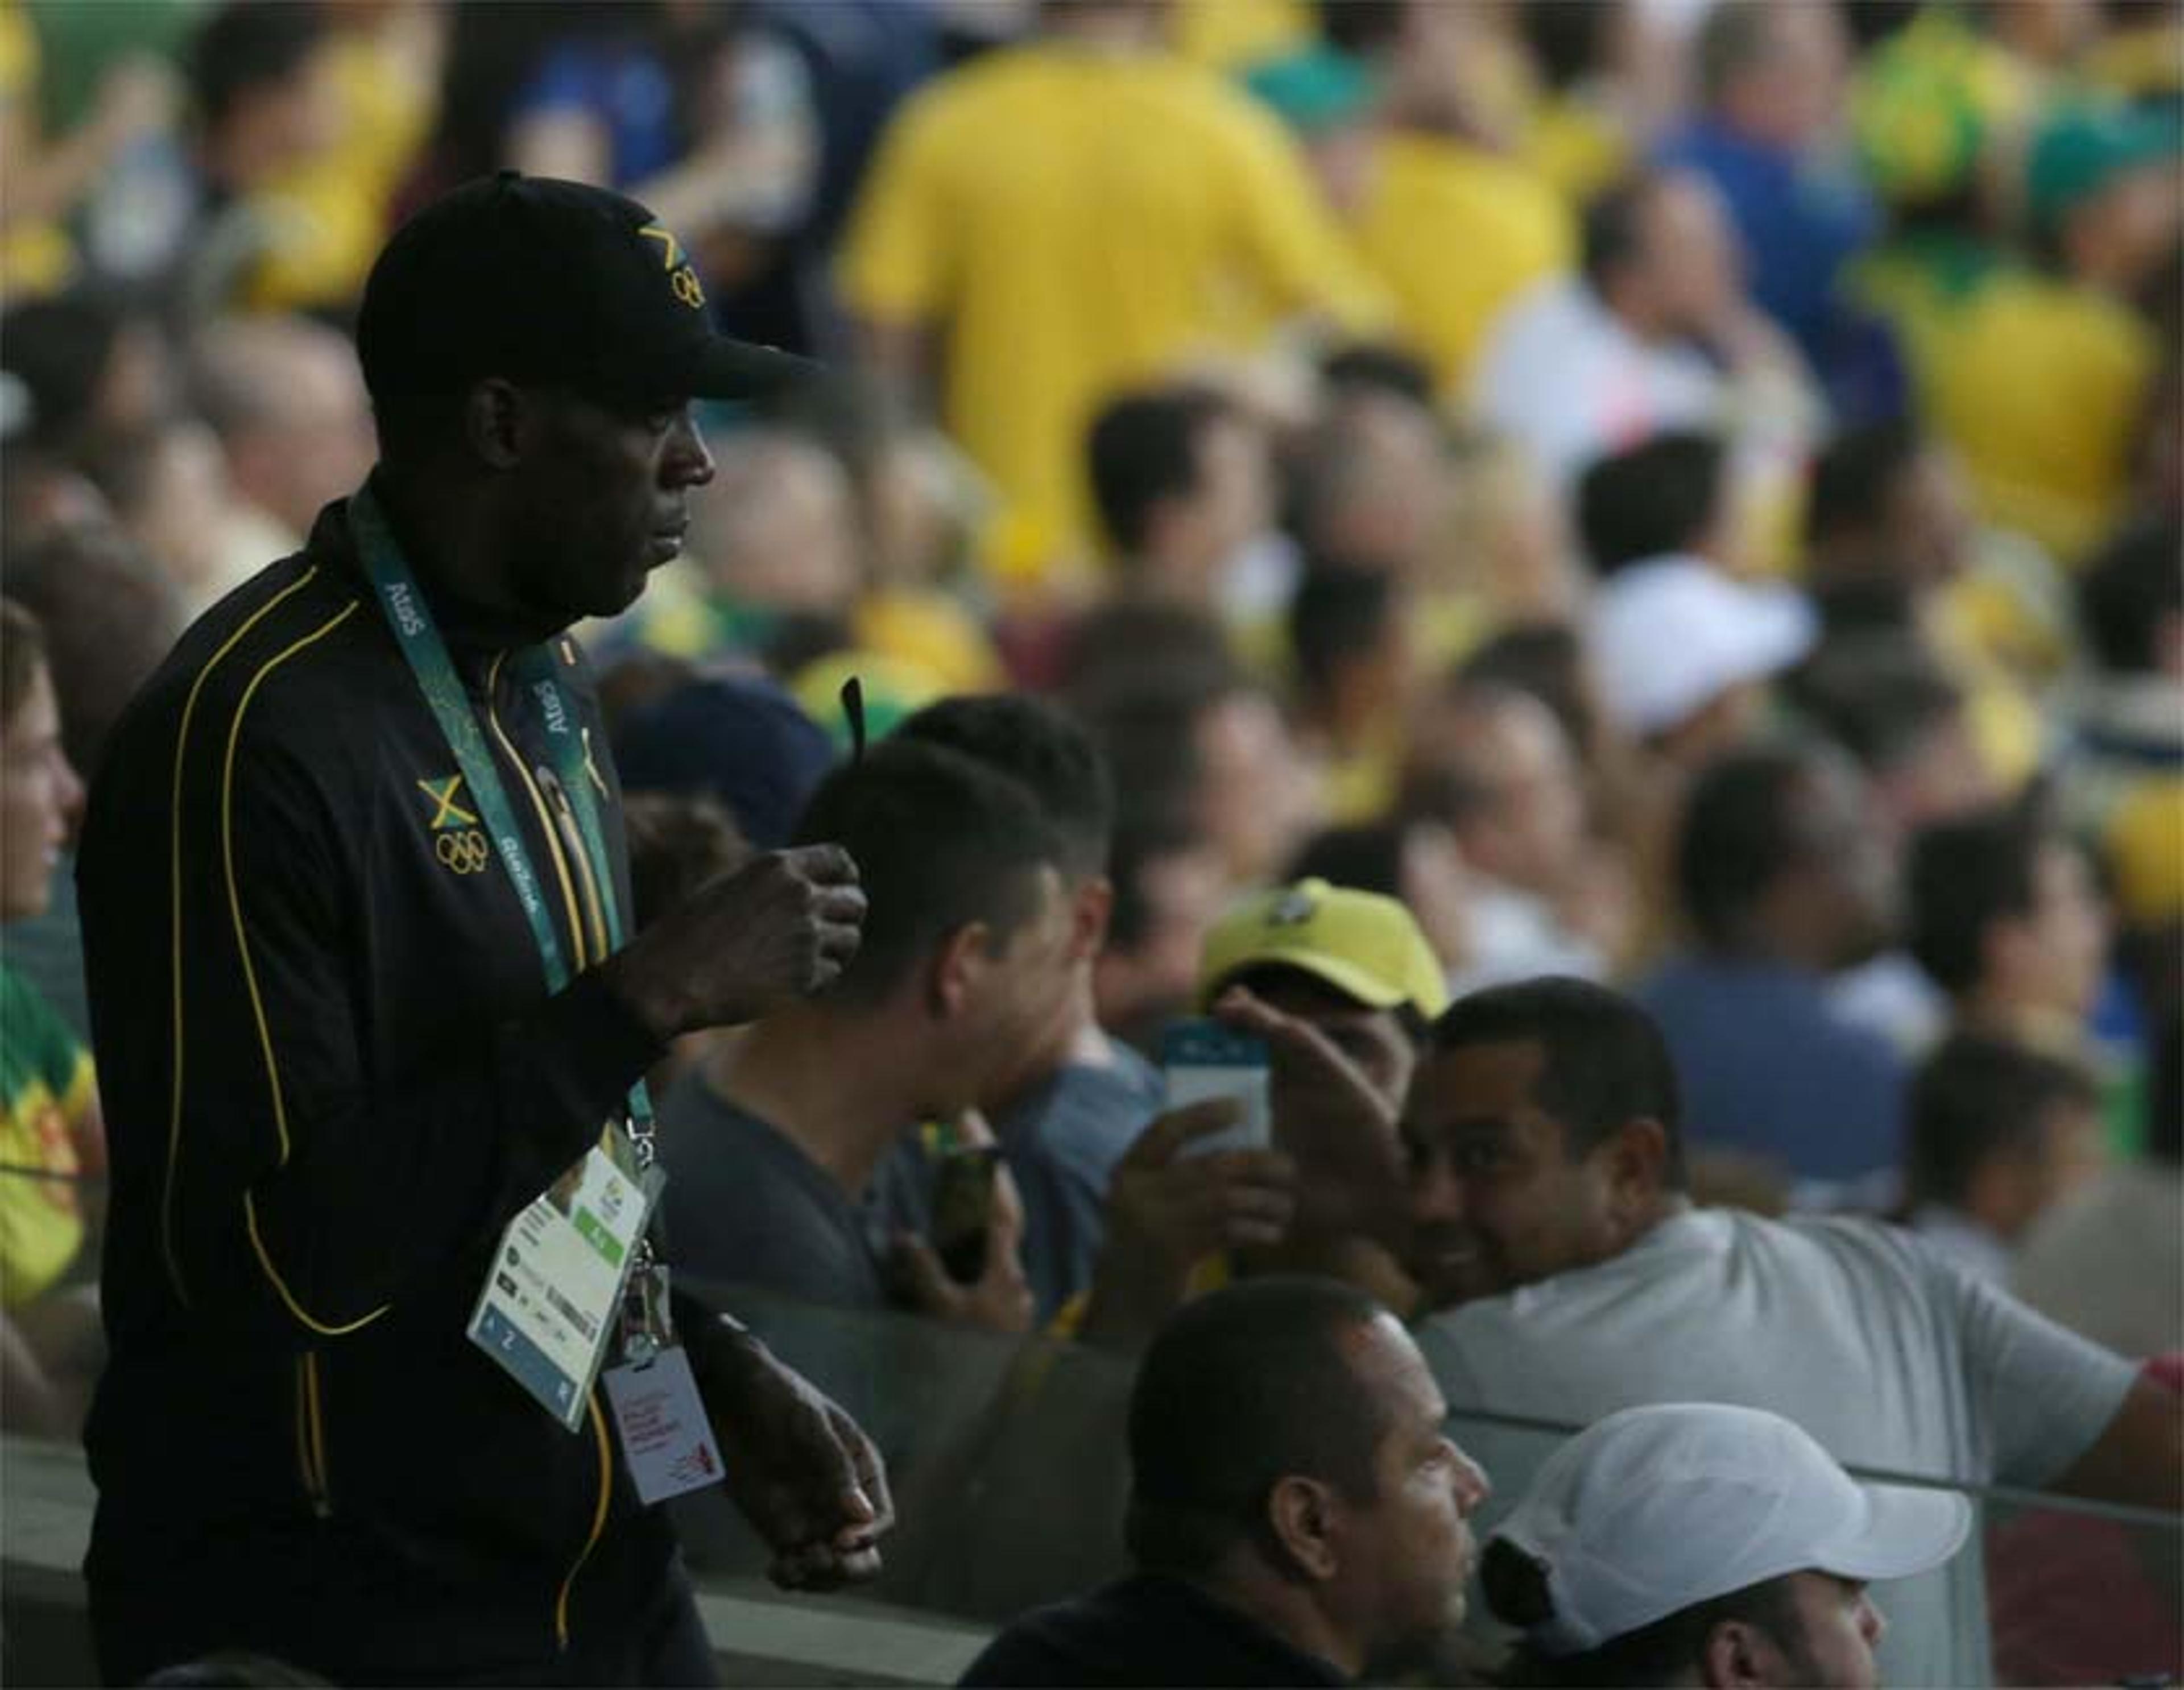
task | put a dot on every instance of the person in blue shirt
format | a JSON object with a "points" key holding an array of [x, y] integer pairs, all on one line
{"points": [[1784, 875], [1772, 82]]}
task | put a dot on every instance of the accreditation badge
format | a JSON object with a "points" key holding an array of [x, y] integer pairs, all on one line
{"points": [[552, 1299]]}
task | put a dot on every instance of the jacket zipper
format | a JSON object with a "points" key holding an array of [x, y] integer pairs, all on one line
{"points": [[584, 955]]}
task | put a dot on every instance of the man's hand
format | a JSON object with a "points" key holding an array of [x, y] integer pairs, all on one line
{"points": [[1332, 1120], [1000, 1299], [1168, 1212], [779, 928], [802, 1471]]}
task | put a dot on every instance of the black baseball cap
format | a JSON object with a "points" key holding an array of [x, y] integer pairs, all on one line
{"points": [[539, 280]]}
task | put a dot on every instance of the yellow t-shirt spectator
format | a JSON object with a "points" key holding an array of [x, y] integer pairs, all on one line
{"points": [[329, 214], [2038, 383], [1227, 34], [1075, 220], [1457, 232]]}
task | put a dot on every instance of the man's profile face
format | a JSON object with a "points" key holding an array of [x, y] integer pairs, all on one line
{"points": [[1835, 1627], [1497, 1198], [1023, 996], [603, 500], [1409, 1552]]}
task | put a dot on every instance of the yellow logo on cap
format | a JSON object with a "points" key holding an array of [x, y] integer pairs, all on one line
{"points": [[672, 259]]}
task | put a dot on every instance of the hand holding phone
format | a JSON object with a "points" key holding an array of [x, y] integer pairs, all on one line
{"points": [[1208, 1059]]}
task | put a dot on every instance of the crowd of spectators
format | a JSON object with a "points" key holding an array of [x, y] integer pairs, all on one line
{"points": [[1607, 576]]}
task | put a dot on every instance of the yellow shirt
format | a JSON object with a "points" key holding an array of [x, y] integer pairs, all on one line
{"points": [[1457, 232], [1229, 35], [328, 214], [46, 1087], [35, 258], [2039, 384], [1076, 222]]}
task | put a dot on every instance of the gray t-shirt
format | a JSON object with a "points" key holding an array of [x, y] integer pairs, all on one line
{"points": [[1062, 1143], [746, 1206], [1889, 1355]]}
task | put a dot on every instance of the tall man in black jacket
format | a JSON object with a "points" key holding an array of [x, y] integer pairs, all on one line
{"points": [[351, 882]]}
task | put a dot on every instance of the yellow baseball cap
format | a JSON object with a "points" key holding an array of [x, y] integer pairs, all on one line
{"points": [[1365, 945]]}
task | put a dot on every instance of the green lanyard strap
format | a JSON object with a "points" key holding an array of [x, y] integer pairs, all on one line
{"points": [[419, 639]]}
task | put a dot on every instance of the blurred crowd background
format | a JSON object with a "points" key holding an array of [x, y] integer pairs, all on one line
{"points": [[1681, 495]]}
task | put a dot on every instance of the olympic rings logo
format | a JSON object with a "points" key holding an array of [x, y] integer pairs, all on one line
{"points": [[463, 850], [687, 287]]}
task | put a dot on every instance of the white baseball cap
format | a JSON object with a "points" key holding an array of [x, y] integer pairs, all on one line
{"points": [[1655, 1508], [1670, 635]]}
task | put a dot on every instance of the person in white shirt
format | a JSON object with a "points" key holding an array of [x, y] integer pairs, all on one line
{"points": [[1654, 333], [1698, 1543], [1550, 1228]]}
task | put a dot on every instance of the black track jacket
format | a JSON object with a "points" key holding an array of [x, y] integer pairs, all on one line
{"points": [[332, 1073]]}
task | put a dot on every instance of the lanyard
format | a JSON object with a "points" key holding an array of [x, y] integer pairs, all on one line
{"points": [[426, 653]]}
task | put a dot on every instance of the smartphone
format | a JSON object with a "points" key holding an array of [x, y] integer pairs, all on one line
{"points": [[1205, 1059], [963, 1208]]}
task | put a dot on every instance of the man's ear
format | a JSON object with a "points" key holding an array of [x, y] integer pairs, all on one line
{"points": [[1737, 1656], [496, 422], [1637, 1156], [958, 961], [1091, 906], [1302, 1512]]}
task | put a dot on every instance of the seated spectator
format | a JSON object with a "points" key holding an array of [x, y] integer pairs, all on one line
{"points": [[1065, 1118], [1573, 1278], [1183, 488], [2000, 1133], [2123, 780], [1772, 80], [1697, 1543], [1414, 861], [1888, 702], [1494, 766], [1891, 539], [736, 740], [1454, 226], [1354, 666], [2109, 1263], [779, 1149], [1783, 879], [1348, 968], [2005, 916], [1683, 648], [1601, 360], [287, 399], [1297, 1515], [51, 1135], [108, 616], [1170, 883]]}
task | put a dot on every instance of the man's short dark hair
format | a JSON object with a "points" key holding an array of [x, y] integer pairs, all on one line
{"points": [[2127, 591], [1144, 448], [1612, 230], [1603, 1060], [1371, 366], [1853, 476], [1515, 1587], [1965, 875], [1879, 696], [1660, 496], [1366, 856], [940, 841], [1042, 747], [1127, 650], [1338, 615], [1362, 27], [59, 350], [1738, 832], [1546, 661], [247, 45], [1977, 1097], [1238, 1391]]}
